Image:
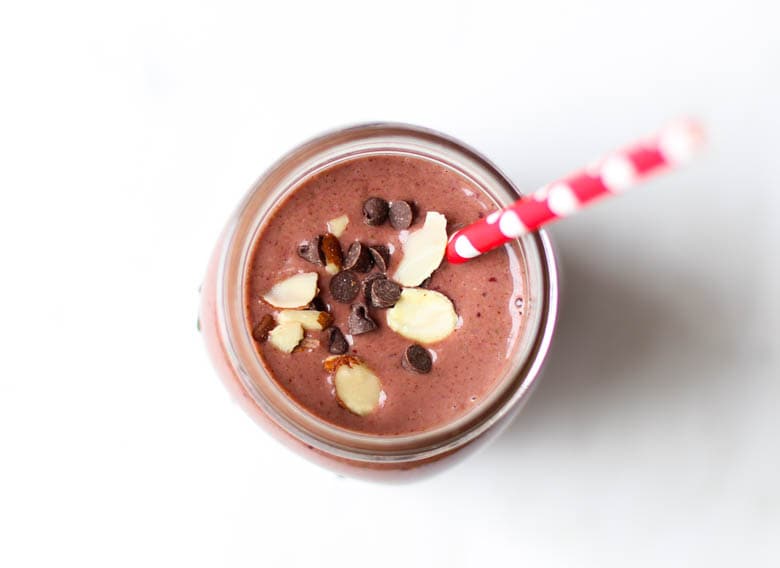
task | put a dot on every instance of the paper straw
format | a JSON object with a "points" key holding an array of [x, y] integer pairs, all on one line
{"points": [[612, 175]]}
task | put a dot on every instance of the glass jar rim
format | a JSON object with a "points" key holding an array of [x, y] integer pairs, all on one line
{"points": [[282, 177]]}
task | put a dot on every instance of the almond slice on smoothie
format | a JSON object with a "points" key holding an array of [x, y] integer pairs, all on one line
{"points": [[297, 291], [311, 320], [286, 336], [422, 315], [358, 389], [423, 251]]}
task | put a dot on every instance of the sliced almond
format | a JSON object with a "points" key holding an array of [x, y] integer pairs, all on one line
{"points": [[425, 316], [423, 251], [338, 225], [334, 257], [286, 336], [358, 389], [294, 292], [311, 320]]}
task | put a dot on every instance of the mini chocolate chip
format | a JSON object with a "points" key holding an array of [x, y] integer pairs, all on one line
{"points": [[375, 211], [359, 321], [266, 324], [318, 304], [368, 283], [381, 256], [310, 251], [358, 258], [401, 215], [337, 343], [344, 287], [384, 293], [417, 359]]}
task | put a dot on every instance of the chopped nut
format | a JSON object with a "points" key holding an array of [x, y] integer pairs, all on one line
{"points": [[308, 344], [332, 363], [260, 331], [338, 225], [331, 249]]}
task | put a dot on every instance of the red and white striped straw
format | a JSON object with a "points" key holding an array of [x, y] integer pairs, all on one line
{"points": [[610, 176]]}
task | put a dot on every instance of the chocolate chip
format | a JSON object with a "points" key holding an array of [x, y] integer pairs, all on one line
{"points": [[368, 283], [375, 211], [417, 359], [358, 258], [318, 304], [359, 321], [401, 215], [337, 343], [381, 256], [384, 293], [266, 324], [344, 287], [310, 251]]}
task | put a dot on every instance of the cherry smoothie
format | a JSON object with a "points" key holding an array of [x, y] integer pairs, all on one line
{"points": [[347, 228]]}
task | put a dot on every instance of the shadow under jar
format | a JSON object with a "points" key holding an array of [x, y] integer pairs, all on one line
{"points": [[419, 430]]}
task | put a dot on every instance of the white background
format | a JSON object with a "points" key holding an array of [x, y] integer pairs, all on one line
{"points": [[129, 131]]}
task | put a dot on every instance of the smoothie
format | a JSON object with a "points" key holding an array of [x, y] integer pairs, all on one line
{"points": [[358, 243]]}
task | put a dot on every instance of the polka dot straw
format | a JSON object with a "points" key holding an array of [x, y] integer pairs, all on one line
{"points": [[612, 175]]}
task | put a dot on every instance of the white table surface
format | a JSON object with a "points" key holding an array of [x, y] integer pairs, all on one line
{"points": [[129, 131]]}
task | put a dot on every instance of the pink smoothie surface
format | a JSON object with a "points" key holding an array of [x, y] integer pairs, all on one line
{"points": [[467, 365]]}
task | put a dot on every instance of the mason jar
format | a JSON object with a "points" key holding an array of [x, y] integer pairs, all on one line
{"points": [[229, 342]]}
